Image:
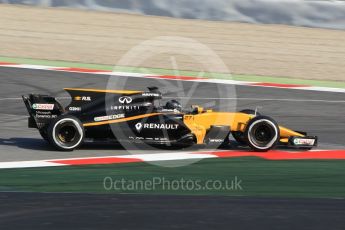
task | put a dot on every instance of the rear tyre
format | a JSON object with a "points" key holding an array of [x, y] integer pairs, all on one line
{"points": [[262, 133], [66, 133], [238, 135]]}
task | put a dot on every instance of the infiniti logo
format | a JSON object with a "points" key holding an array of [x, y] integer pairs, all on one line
{"points": [[125, 100]]}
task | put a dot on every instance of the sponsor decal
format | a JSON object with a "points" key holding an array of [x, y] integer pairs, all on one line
{"points": [[43, 106], [74, 108], [215, 140], [140, 126], [83, 98], [109, 117], [148, 138], [44, 112], [151, 94], [302, 141], [125, 100], [135, 138], [47, 116], [161, 139], [125, 107]]}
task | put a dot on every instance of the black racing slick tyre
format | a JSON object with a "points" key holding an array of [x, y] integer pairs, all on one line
{"points": [[66, 133], [238, 135], [262, 133]]}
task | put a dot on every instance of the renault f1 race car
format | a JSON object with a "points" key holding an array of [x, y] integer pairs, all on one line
{"points": [[122, 115]]}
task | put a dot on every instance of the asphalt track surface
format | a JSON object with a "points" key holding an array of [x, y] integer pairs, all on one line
{"points": [[319, 113], [63, 211]]}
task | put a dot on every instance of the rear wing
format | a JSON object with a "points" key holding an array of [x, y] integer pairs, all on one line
{"points": [[42, 109]]}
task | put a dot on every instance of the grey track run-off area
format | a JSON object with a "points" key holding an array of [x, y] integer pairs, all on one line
{"points": [[17, 142], [103, 38]]}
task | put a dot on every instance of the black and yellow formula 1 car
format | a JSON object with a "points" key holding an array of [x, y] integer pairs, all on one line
{"points": [[132, 116]]}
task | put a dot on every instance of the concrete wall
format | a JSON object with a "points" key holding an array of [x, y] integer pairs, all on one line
{"points": [[310, 13]]}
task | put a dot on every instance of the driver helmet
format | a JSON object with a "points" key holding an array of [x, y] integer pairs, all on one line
{"points": [[173, 105]]}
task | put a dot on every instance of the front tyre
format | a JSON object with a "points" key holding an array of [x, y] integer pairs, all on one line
{"points": [[262, 133], [66, 133]]}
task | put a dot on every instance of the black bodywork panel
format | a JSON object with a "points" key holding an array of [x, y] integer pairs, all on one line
{"points": [[116, 115]]}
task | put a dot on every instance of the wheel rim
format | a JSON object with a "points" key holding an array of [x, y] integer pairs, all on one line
{"points": [[263, 134], [67, 134]]}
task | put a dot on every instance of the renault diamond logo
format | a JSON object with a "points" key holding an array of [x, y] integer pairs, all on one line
{"points": [[139, 126], [125, 100]]}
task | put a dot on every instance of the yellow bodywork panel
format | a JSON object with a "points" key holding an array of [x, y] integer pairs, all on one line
{"points": [[284, 140], [285, 132], [201, 122]]}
